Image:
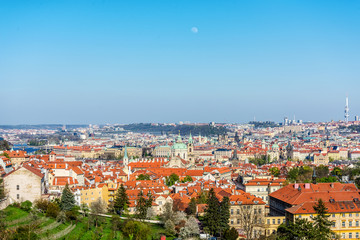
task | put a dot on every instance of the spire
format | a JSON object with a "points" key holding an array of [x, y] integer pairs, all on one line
{"points": [[179, 137], [190, 138], [125, 153], [314, 176]]}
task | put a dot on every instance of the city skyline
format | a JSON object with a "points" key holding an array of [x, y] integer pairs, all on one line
{"points": [[110, 62]]}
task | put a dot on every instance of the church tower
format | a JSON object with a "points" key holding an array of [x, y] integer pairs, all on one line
{"points": [[126, 158], [190, 147]]}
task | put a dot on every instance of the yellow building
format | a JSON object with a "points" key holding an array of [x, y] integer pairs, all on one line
{"points": [[90, 195]]}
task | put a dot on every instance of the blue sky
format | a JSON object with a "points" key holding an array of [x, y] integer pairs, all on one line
{"points": [[138, 61]]}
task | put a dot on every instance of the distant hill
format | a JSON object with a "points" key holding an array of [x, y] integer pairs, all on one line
{"points": [[41, 126], [204, 130]]}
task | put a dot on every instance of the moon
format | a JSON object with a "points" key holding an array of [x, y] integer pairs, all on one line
{"points": [[194, 29]]}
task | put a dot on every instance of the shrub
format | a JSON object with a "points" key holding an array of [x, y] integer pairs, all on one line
{"points": [[26, 206], [42, 205], [136, 230], [61, 217], [52, 210]]}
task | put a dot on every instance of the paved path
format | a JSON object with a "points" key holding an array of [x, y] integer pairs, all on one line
{"points": [[140, 220]]}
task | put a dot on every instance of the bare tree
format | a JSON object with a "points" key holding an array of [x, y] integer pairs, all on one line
{"points": [[251, 220]]}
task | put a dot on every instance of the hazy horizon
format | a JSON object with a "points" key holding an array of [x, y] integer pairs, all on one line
{"points": [[99, 62]]}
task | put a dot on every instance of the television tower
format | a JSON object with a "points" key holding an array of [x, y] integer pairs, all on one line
{"points": [[346, 115]]}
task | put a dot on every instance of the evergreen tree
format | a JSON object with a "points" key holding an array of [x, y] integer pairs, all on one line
{"points": [[231, 234], [321, 220], [212, 213], [121, 200], [224, 214], [141, 206], [191, 209], [150, 200], [302, 229], [67, 201]]}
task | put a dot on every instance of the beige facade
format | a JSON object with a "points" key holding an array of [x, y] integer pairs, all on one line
{"points": [[24, 184]]}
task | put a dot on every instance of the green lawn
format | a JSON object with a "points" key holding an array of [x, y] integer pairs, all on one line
{"points": [[104, 232], [13, 213]]}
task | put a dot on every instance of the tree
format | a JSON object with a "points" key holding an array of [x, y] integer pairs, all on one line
{"points": [[231, 234], [52, 210], [190, 229], [250, 218], [4, 145], [170, 180], [149, 200], [224, 214], [170, 227], [168, 212], [187, 179], [136, 230], [143, 177], [322, 171], [67, 199], [301, 229], [191, 209], [121, 200], [141, 206], [212, 213], [322, 223], [96, 208], [42, 205], [275, 171]]}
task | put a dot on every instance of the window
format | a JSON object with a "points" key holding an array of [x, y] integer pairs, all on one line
{"points": [[273, 221], [299, 216], [17, 196], [160, 202], [357, 214], [279, 221], [350, 214], [343, 224], [259, 211], [333, 224], [232, 211], [343, 235], [232, 221], [255, 211], [357, 235], [268, 221], [284, 220], [357, 223], [350, 235], [350, 223], [238, 211], [343, 214], [17, 187], [238, 221], [333, 215]]}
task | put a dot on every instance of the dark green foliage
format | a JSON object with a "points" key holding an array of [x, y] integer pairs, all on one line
{"points": [[136, 230], [52, 210], [67, 199], [141, 206], [337, 172], [322, 222], [170, 180], [202, 198], [187, 179], [4, 145], [143, 177], [322, 171], [212, 214], [259, 161], [231, 234], [26, 206], [121, 200], [37, 142], [149, 200], [191, 209], [24, 232], [301, 229], [42, 205], [327, 179], [275, 171], [224, 214], [204, 130], [72, 215]]}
